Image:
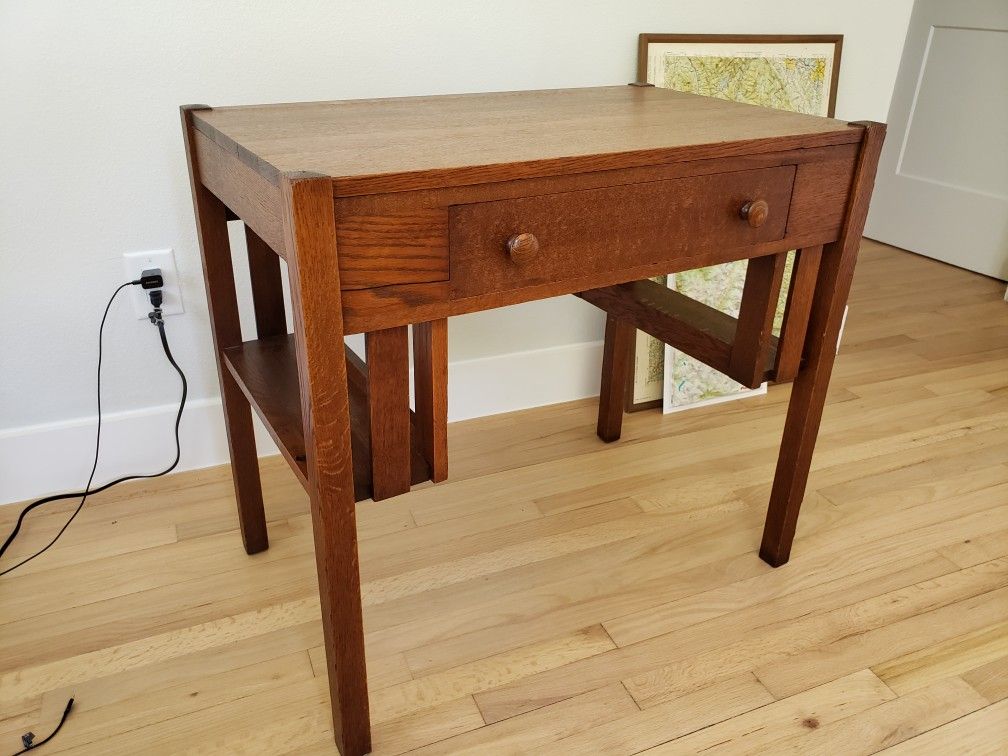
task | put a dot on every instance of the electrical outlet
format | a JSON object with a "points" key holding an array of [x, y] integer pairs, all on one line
{"points": [[137, 262]]}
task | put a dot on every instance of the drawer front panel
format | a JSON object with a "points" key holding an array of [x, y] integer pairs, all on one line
{"points": [[599, 230]]}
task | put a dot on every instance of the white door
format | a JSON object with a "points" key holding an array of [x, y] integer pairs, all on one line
{"points": [[942, 185]]}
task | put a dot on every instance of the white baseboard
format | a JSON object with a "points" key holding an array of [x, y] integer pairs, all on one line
{"points": [[53, 457], [520, 380]]}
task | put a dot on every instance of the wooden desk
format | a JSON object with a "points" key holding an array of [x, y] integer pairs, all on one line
{"points": [[392, 213]]}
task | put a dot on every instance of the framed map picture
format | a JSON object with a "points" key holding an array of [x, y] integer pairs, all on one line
{"points": [[789, 72]]}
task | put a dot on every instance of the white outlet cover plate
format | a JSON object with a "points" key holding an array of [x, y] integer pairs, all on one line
{"points": [[137, 262]]}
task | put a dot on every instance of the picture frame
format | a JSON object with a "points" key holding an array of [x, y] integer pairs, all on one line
{"points": [[804, 70], [754, 44]]}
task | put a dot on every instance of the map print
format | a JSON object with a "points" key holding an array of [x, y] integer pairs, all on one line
{"points": [[786, 78], [784, 83]]}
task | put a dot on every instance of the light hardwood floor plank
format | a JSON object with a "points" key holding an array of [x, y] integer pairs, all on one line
{"points": [[932, 624], [793, 716], [668, 665], [982, 732], [990, 680], [727, 698], [537, 730], [459, 682], [952, 657], [889, 723]]}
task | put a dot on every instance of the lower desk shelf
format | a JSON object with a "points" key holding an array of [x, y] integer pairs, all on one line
{"points": [[266, 371]]}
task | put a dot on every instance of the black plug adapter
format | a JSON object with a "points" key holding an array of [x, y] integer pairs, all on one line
{"points": [[151, 279]]}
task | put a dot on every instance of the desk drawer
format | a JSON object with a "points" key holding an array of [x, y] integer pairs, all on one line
{"points": [[557, 236]]}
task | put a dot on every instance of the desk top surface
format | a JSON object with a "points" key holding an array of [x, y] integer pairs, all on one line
{"points": [[421, 142]]}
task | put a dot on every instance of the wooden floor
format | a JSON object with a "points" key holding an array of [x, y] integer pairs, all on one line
{"points": [[563, 596]]}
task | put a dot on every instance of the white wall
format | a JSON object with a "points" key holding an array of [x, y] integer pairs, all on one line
{"points": [[93, 167]]}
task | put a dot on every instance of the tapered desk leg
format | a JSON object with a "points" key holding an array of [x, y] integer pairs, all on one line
{"points": [[617, 364], [215, 249], [808, 394], [310, 233]]}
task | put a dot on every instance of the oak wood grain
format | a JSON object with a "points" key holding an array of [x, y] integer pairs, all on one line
{"points": [[267, 373], [246, 193], [836, 271], [358, 383], [796, 312], [265, 276], [617, 368], [310, 233], [387, 357], [751, 345], [391, 203], [386, 306], [699, 330], [370, 146], [222, 301], [401, 247], [626, 226], [430, 384], [820, 195]]}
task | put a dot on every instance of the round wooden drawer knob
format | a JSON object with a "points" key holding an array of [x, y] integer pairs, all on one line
{"points": [[522, 248], [755, 212]]}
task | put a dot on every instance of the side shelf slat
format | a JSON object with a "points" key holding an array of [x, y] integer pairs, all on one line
{"points": [[266, 372]]}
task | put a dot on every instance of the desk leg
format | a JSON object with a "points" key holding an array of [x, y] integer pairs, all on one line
{"points": [[808, 394], [617, 365], [218, 275], [310, 233]]}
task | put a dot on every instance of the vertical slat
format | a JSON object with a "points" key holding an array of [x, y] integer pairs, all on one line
{"points": [[430, 391], [751, 347], [267, 287], [796, 313], [387, 356], [310, 233], [617, 366], [809, 391], [218, 276]]}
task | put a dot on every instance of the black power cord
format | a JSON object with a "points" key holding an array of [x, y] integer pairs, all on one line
{"points": [[148, 280], [28, 739]]}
